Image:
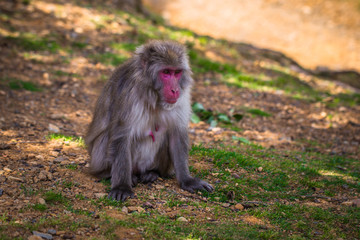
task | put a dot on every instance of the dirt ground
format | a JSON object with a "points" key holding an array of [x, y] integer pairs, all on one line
{"points": [[315, 33], [29, 159]]}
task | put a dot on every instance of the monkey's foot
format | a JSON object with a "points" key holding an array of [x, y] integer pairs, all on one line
{"points": [[149, 177], [134, 180], [121, 193], [193, 184]]}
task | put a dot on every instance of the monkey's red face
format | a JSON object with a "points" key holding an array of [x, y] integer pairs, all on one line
{"points": [[170, 77]]}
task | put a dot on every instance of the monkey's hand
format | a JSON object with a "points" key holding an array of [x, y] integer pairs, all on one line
{"points": [[121, 193], [193, 184]]}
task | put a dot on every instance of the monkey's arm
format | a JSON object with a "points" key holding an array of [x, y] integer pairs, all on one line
{"points": [[121, 169], [178, 147]]}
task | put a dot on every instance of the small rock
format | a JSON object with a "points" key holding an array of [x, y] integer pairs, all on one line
{"points": [[35, 237], [42, 176], [140, 209], [15, 179], [356, 202], [40, 157], [239, 206], [235, 175], [53, 128], [68, 236], [43, 235], [348, 203], [41, 201], [125, 210], [230, 195], [148, 205], [4, 146], [100, 195], [56, 116], [132, 209], [260, 169], [52, 231], [182, 219], [59, 159], [226, 205]]}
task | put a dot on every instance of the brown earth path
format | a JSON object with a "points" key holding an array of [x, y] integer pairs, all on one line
{"points": [[313, 32]]}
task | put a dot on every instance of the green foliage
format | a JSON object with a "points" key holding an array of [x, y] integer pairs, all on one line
{"points": [[32, 42], [258, 112], [202, 65], [17, 84], [109, 58], [201, 114], [241, 139], [39, 207], [54, 197], [128, 46], [67, 139]]}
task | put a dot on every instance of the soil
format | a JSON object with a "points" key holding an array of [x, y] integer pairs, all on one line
{"points": [[29, 161], [316, 33]]}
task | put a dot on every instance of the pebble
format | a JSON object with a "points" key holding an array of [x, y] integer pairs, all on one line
{"points": [[15, 179], [56, 116], [43, 235], [347, 203], [226, 205], [52, 231], [41, 201], [53, 128], [42, 176], [35, 237], [125, 210], [182, 219], [59, 159], [260, 169], [40, 157], [356, 202], [100, 195], [239, 206]]}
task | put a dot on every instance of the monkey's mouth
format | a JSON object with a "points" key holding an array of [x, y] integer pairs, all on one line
{"points": [[171, 101]]}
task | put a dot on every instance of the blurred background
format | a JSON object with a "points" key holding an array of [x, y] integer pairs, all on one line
{"points": [[316, 33]]}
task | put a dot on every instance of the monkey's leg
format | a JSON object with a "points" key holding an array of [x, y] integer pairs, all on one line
{"points": [[178, 148], [98, 165], [149, 176], [121, 169]]}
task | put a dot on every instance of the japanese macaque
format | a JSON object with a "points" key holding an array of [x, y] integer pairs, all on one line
{"points": [[139, 128]]}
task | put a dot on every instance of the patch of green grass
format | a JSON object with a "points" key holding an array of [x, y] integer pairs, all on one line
{"points": [[32, 42], [290, 85], [39, 207], [203, 65], [72, 166], [52, 197], [127, 46], [27, 191], [109, 58], [281, 177], [258, 112], [17, 84], [79, 45], [105, 201], [67, 139]]}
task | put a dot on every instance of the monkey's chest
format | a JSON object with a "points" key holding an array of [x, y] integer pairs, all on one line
{"points": [[146, 146]]}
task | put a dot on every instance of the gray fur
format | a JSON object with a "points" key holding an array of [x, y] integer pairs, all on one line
{"points": [[130, 107]]}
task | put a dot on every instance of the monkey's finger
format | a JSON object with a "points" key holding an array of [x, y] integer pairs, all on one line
{"points": [[209, 188]]}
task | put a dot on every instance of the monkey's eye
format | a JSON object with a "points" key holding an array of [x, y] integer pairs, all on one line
{"points": [[178, 71], [166, 71]]}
